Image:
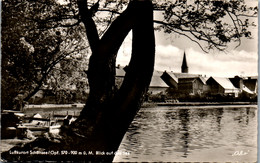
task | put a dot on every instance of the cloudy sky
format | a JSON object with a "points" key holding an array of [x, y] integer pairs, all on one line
{"points": [[242, 61]]}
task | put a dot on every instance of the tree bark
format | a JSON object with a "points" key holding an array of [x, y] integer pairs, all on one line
{"points": [[108, 113], [101, 72]]}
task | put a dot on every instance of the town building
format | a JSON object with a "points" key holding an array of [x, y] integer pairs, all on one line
{"points": [[120, 74], [188, 84], [184, 83], [192, 85], [180, 84], [250, 83], [184, 66], [157, 85], [222, 86]]}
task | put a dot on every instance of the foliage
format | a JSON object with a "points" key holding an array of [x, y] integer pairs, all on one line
{"points": [[212, 21], [31, 47], [68, 81], [160, 97], [108, 112], [209, 23], [36, 35]]}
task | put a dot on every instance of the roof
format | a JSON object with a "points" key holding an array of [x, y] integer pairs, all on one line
{"points": [[176, 76], [185, 75], [120, 72], [251, 84], [247, 90], [224, 82], [157, 80], [184, 62], [173, 76], [203, 79], [169, 80], [252, 77], [157, 73]]}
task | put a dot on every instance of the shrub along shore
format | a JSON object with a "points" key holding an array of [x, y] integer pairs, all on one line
{"points": [[147, 104]]}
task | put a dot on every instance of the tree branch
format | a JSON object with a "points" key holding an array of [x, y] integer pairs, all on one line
{"points": [[89, 23]]}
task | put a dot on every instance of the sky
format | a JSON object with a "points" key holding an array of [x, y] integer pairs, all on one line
{"points": [[241, 61]]}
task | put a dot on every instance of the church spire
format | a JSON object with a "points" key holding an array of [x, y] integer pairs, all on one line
{"points": [[184, 66]]}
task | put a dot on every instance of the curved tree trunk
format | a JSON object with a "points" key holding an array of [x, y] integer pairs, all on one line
{"points": [[108, 112]]}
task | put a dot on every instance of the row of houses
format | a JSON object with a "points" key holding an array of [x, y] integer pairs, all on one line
{"points": [[180, 84], [185, 83], [196, 84]]}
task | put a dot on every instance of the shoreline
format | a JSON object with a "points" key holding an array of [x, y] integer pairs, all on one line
{"points": [[205, 103], [146, 104], [180, 104]]}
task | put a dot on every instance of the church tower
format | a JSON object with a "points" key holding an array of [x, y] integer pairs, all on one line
{"points": [[184, 66]]}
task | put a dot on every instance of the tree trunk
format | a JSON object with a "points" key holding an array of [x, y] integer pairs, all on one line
{"points": [[108, 112]]}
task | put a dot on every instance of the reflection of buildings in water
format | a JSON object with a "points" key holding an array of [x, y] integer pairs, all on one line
{"points": [[242, 121], [140, 133], [195, 124], [219, 115], [247, 115], [184, 131], [180, 133], [243, 117], [175, 132], [132, 137], [214, 115], [169, 132]]}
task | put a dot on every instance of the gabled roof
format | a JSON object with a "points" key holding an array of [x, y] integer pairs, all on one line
{"points": [[186, 80], [175, 76], [251, 84], [169, 80], [185, 75], [157, 80], [203, 79], [247, 90], [192, 79], [223, 82]]}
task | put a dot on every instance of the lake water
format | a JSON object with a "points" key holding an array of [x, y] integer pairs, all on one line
{"points": [[185, 134]]}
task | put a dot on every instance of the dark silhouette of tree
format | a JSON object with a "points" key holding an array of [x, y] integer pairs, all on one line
{"points": [[109, 111], [31, 49]]}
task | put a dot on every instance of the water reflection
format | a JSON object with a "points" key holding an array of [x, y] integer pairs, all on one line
{"points": [[184, 131], [191, 134], [219, 114]]}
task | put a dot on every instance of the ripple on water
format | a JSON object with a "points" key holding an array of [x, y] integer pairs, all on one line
{"points": [[191, 134]]}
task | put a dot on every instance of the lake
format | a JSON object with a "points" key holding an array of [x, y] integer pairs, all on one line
{"points": [[188, 134]]}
